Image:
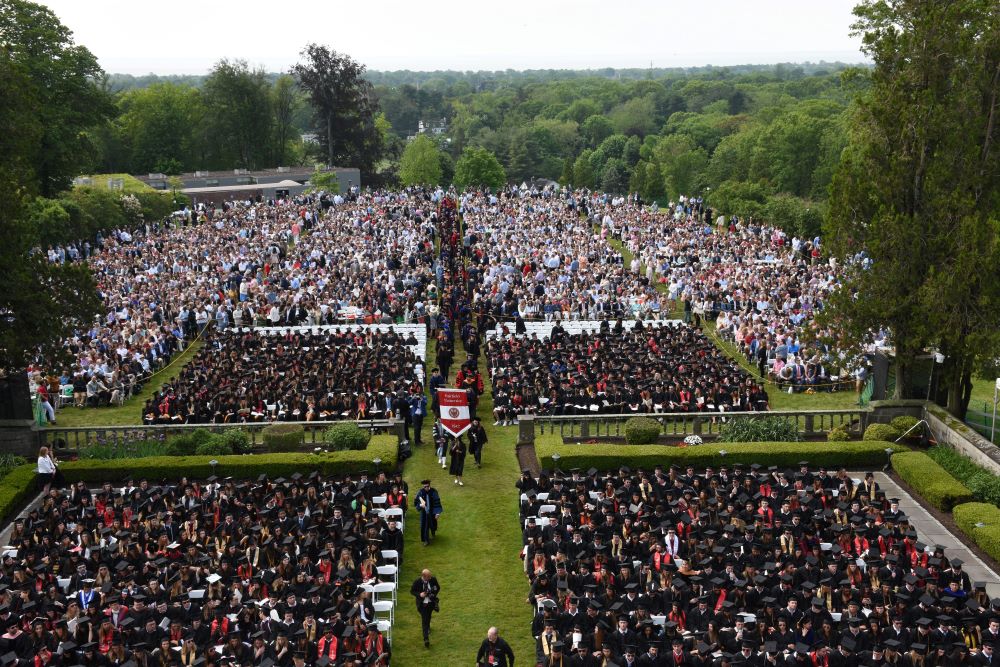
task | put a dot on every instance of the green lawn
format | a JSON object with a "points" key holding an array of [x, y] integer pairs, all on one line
{"points": [[475, 555], [129, 413], [130, 183]]}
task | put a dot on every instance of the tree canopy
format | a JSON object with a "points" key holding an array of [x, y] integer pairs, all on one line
{"points": [[479, 168], [918, 190], [421, 162]]}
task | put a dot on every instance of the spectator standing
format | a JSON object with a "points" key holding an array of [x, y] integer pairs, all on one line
{"points": [[426, 590]]}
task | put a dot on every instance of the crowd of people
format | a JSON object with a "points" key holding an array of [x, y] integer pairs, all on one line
{"points": [[741, 565], [531, 254], [760, 286], [669, 368], [214, 573], [264, 263], [241, 375]]}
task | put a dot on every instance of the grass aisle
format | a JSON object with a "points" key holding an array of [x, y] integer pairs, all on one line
{"points": [[475, 554]]}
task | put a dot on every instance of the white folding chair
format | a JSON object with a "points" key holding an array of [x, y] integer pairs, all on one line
{"points": [[385, 627], [660, 620], [378, 501], [383, 610], [394, 512], [384, 587], [529, 519], [542, 497], [546, 509], [391, 555], [388, 571]]}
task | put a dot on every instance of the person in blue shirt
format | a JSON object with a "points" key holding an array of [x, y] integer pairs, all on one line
{"points": [[418, 409]]}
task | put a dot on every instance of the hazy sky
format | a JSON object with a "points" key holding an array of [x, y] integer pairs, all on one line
{"points": [[188, 36]]}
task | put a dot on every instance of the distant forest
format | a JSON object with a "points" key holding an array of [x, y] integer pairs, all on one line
{"points": [[758, 140]]}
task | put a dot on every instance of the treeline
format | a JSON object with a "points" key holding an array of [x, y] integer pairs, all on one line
{"points": [[236, 117], [763, 144]]}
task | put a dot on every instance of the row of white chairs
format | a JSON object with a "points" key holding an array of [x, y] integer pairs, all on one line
{"points": [[573, 327]]}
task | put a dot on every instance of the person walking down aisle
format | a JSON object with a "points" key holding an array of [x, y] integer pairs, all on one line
{"points": [[429, 505], [458, 452], [477, 438], [494, 651], [425, 591]]}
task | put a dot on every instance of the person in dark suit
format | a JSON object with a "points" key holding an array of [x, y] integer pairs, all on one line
{"points": [[425, 590]]}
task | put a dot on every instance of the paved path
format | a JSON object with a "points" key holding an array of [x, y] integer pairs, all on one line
{"points": [[932, 531]]}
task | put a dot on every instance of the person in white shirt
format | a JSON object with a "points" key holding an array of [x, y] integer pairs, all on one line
{"points": [[46, 469]]}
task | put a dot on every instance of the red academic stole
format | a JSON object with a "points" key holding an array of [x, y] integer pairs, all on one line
{"points": [[328, 649]]}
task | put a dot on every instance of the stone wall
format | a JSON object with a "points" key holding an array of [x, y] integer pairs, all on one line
{"points": [[18, 436], [949, 431]]}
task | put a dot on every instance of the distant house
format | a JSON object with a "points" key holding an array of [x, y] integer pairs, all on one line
{"points": [[205, 186], [435, 127]]}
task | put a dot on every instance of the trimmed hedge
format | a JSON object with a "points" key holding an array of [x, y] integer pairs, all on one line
{"points": [[988, 536], [881, 432], [930, 480], [247, 466], [16, 488], [283, 437], [642, 431], [984, 483], [788, 454]]}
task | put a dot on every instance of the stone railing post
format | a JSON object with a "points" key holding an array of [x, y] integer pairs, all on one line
{"points": [[525, 430]]}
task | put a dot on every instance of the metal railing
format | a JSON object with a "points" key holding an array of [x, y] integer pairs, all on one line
{"points": [[705, 424], [71, 439]]}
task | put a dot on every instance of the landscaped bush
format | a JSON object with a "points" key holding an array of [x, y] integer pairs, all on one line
{"points": [[881, 432], [214, 447], [346, 436], [986, 536], [384, 447], [642, 431], [983, 483], [784, 454], [237, 439], [930, 480], [838, 434], [759, 429], [186, 444], [283, 437], [904, 423]]}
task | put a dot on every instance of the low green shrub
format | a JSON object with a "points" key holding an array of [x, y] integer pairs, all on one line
{"points": [[237, 439], [384, 447], [838, 434], [182, 445], [987, 536], [16, 488], [346, 436], [642, 431], [214, 447], [784, 454], [930, 480], [881, 432], [283, 437], [904, 423], [983, 483], [135, 449], [10, 461], [759, 429]]}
